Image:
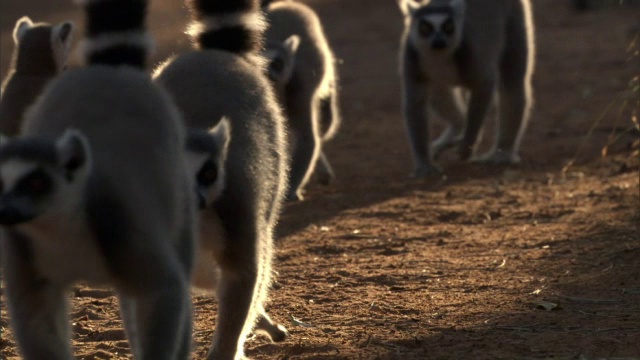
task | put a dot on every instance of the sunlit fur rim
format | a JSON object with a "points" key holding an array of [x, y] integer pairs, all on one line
{"points": [[254, 21]]}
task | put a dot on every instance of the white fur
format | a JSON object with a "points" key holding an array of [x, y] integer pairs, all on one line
{"points": [[211, 242], [251, 21], [13, 170], [54, 237], [436, 19]]}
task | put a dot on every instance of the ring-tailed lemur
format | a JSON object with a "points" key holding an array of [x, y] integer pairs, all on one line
{"points": [[224, 76], [41, 52], [301, 65], [483, 46], [207, 154], [97, 189]]}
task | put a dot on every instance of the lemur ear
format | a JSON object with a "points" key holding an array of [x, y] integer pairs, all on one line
{"points": [[221, 133], [61, 43], [291, 44], [62, 32], [283, 60], [74, 152], [22, 25], [203, 145], [206, 154]]}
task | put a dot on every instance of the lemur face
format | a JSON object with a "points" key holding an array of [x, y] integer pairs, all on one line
{"points": [[39, 176], [438, 29], [208, 183], [436, 26], [206, 155], [282, 61]]}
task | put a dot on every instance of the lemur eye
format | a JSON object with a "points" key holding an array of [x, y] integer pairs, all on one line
{"points": [[208, 174], [36, 183], [277, 65], [448, 27], [425, 28]]}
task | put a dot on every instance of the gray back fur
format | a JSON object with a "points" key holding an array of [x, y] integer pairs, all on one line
{"points": [[310, 97], [225, 78], [314, 77]]}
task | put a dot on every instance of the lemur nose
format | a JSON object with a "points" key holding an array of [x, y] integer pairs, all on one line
{"points": [[10, 215], [438, 44]]}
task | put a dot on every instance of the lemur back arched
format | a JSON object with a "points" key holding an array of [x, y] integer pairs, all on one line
{"points": [[223, 76], [87, 196]]}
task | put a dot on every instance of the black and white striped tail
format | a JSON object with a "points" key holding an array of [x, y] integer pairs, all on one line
{"points": [[236, 26], [116, 32]]}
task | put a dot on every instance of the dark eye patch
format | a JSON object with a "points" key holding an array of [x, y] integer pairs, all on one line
{"points": [[448, 27], [208, 174], [277, 65], [425, 28], [35, 184]]}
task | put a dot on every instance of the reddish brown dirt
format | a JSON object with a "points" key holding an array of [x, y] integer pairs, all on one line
{"points": [[380, 266]]}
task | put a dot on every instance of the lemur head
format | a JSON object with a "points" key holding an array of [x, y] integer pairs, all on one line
{"points": [[434, 24], [206, 156], [41, 47], [281, 59], [41, 176]]}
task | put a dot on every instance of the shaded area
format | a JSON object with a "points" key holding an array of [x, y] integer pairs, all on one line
{"points": [[381, 266]]}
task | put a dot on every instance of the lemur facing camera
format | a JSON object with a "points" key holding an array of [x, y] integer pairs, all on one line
{"points": [[485, 47], [97, 188]]}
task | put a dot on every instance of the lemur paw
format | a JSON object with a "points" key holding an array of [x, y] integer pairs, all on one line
{"points": [[426, 170], [498, 158], [465, 152], [294, 196]]}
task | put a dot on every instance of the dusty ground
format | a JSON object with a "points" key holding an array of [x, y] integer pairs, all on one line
{"points": [[379, 266]]}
